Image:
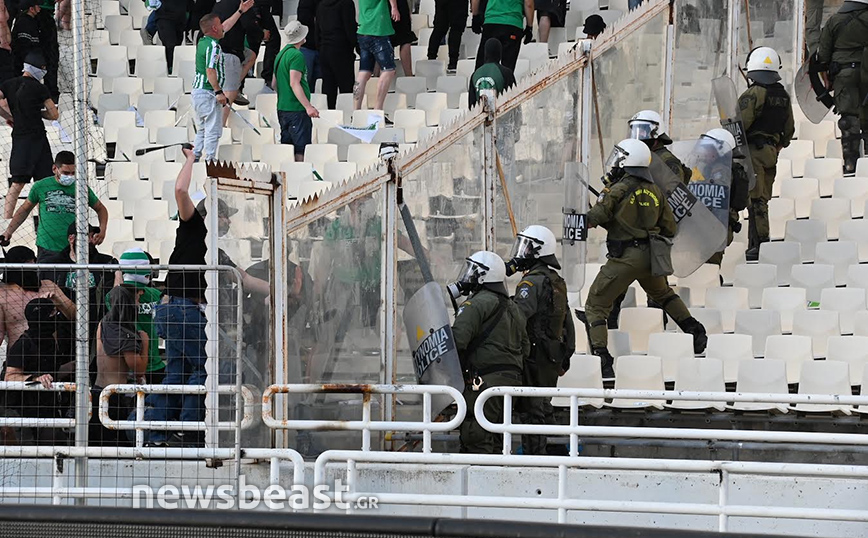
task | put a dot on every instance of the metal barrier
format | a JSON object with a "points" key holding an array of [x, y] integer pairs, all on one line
{"points": [[574, 429], [563, 504], [140, 424], [366, 425], [35, 422]]}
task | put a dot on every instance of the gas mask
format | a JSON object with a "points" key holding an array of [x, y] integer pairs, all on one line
{"points": [[614, 171], [524, 251], [66, 180], [467, 282]]}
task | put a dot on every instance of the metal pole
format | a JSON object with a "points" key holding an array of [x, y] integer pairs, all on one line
{"points": [[279, 276], [669, 73], [732, 40], [82, 355], [212, 312], [585, 112], [389, 298], [489, 167]]}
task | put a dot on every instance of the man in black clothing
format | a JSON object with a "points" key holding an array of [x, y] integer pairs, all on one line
{"points": [[337, 40], [25, 97], [237, 60], [26, 32], [307, 16], [449, 16], [181, 320], [50, 47], [171, 20], [266, 11], [37, 357], [99, 283]]}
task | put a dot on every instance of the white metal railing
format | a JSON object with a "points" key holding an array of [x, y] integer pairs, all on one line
{"points": [[140, 424], [36, 422], [574, 429], [366, 425], [563, 504]]}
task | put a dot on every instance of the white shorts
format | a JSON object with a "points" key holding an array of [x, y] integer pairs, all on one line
{"points": [[232, 71]]}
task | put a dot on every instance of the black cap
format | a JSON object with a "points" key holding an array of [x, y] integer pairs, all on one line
{"points": [[24, 5], [594, 24], [91, 229], [39, 310], [19, 255], [223, 209], [36, 58]]}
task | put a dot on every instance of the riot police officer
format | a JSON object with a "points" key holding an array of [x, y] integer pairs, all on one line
{"points": [[645, 125], [542, 298], [767, 114], [717, 165], [492, 343], [843, 43], [632, 210]]}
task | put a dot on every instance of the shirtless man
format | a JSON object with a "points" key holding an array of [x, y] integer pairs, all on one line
{"points": [[21, 287]]}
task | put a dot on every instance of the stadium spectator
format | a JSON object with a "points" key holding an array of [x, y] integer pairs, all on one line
{"points": [[267, 10], [336, 33], [22, 286], [148, 298], [208, 84], [594, 26], [449, 16], [26, 33], [502, 20], [633, 4], [492, 75], [55, 196], [180, 320], [21, 104], [7, 62], [307, 15], [100, 281], [36, 357], [50, 46], [238, 59], [121, 352], [375, 47], [64, 14], [550, 14], [404, 37], [294, 110], [171, 19]]}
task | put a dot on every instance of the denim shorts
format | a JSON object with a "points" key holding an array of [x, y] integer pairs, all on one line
{"points": [[376, 49], [296, 128]]}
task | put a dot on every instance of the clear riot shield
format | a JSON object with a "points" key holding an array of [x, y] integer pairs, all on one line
{"points": [[711, 174], [699, 234], [575, 230], [429, 333], [806, 86], [730, 119]]}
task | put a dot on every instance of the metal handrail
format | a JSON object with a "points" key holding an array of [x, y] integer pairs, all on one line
{"points": [[36, 422]]}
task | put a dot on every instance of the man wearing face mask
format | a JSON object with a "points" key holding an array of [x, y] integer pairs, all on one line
{"points": [[491, 336], [180, 320], [22, 286], [25, 97], [55, 196]]}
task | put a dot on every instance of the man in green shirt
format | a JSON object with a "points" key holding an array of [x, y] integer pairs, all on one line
{"points": [[148, 298], [375, 27], [55, 196], [207, 95], [294, 111], [502, 20], [491, 75]]}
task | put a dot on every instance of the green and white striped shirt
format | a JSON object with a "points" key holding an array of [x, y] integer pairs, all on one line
{"points": [[209, 55]]}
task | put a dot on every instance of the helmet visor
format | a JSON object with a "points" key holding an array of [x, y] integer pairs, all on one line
{"points": [[643, 130], [616, 157], [469, 274], [524, 248]]}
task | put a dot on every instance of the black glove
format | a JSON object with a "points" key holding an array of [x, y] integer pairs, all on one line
{"points": [[3, 241], [528, 34], [476, 23], [565, 364]]}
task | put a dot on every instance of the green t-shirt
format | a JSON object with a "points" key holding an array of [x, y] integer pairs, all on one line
{"points": [[375, 18], [290, 59], [508, 12], [145, 322], [209, 55], [56, 211]]}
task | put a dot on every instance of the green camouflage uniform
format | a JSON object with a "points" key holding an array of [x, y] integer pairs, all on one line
{"points": [[767, 113], [542, 298], [630, 211], [498, 360], [842, 47]]}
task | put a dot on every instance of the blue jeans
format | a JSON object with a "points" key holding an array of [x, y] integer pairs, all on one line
{"points": [[376, 49], [311, 58], [181, 324], [151, 25]]}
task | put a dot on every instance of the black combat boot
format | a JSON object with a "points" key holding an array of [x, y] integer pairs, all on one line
{"points": [[752, 252], [692, 326], [607, 361]]}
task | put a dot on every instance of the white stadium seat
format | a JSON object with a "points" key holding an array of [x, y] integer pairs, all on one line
{"points": [[699, 375], [840, 254], [854, 189], [728, 301], [831, 211], [671, 348], [640, 322], [846, 302], [766, 376], [852, 350], [824, 377], [783, 255], [781, 210], [819, 325], [638, 372], [814, 278], [806, 233], [760, 324], [755, 278], [787, 301], [826, 171], [730, 349], [706, 277], [856, 231], [584, 373], [802, 191]]}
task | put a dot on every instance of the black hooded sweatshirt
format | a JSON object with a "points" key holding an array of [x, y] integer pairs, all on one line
{"points": [[336, 25]]}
